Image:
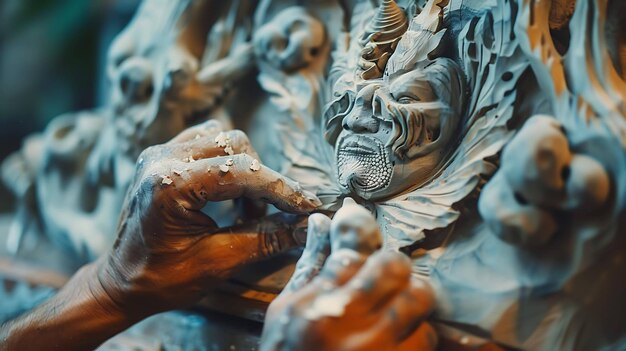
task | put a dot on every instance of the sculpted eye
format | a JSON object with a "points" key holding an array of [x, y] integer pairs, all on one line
{"points": [[405, 98], [118, 59]]}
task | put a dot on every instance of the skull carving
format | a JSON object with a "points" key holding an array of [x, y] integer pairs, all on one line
{"points": [[161, 83], [291, 41]]}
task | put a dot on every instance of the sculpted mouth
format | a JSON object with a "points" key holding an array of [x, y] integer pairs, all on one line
{"points": [[360, 145], [362, 164]]}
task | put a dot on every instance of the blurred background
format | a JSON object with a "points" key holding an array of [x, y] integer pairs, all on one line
{"points": [[52, 55]]}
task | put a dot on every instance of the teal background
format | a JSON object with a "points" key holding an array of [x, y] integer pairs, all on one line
{"points": [[52, 55]]}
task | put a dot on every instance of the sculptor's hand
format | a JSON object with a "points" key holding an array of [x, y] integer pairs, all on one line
{"points": [[349, 302], [168, 253]]}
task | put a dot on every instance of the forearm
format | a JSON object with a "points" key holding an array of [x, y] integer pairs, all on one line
{"points": [[80, 317]]}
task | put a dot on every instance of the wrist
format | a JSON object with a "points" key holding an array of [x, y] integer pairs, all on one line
{"points": [[115, 292], [108, 299], [80, 316]]}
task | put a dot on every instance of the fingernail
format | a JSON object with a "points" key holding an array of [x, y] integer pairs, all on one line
{"points": [[318, 232], [312, 199], [319, 224]]}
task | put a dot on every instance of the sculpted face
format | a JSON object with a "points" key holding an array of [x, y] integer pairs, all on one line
{"points": [[159, 84], [396, 132], [142, 72]]}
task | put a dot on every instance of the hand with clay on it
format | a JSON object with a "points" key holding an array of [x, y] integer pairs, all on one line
{"points": [[346, 300], [168, 253]]}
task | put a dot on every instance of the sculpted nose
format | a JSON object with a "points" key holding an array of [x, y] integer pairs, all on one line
{"points": [[360, 123], [361, 119], [135, 80]]}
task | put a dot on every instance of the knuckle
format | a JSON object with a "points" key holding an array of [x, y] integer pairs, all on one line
{"points": [[398, 269], [424, 293], [149, 185], [342, 260], [391, 264], [149, 181], [391, 259], [199, 193], [238, 137], [212, 124], [151, 152], [145, 153], [243, 162]]}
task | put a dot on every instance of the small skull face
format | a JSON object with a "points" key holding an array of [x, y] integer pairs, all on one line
{"points": [[354, 227], [292, 40], [154, 91], [395, 132]]}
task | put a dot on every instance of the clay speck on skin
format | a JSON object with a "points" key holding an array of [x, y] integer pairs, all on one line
{"points": [[299, 199], [224, 168], [166, 180], [277, 186], [332, 304], [255, 166], [222, 139]]}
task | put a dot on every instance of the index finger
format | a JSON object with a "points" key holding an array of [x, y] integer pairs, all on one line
{"points": [[226, 178], [384, 275], [314, 255]]}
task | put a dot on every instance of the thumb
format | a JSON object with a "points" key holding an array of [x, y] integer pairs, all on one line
{"points": [[315, 253]]}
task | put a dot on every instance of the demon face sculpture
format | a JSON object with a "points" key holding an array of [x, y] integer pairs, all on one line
{"points": [[396, 114], [399, 130]]}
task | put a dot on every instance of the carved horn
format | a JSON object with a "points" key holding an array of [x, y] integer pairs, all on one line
{"points": [[423, 37], [380, 38], [388, 25]]}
